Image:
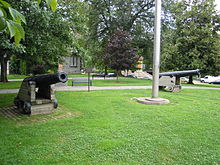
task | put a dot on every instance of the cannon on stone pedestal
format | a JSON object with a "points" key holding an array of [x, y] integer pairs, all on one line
{"points": [[36, 94], [172, 81]]}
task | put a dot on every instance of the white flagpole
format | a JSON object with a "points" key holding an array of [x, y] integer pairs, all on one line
{"points": [[156, 58]]}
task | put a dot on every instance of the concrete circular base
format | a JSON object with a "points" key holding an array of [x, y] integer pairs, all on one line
{"points": [[152, 101]]}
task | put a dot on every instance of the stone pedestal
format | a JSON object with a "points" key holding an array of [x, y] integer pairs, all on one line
{"points": [[152, 101], [42, 109]]}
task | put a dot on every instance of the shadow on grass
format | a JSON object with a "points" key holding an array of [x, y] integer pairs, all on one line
{"points": [[12, 113]]}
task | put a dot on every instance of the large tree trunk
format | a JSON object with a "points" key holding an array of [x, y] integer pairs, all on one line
{"points": [[117, 74], [106, 72], [3, 69]]}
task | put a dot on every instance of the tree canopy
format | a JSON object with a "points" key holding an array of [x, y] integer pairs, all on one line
{"points": [[48, 37], [132, 16], [192, 40]]}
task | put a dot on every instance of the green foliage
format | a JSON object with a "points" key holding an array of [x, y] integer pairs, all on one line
{"points": [[192, 41], [108, 16], [47, 42], [10, 19], [22, 68], [135, 17], [76, 15], [52, 4]]}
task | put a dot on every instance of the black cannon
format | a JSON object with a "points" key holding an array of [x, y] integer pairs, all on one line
{"points": [[36, 96], [181, 73], [172, 80]]}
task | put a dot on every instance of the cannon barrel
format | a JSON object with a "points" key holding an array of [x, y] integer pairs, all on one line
{"points": [[47, 79], [181, 73]]}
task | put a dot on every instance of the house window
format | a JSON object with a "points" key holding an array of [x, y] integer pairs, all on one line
{"points": [[73, 61]]}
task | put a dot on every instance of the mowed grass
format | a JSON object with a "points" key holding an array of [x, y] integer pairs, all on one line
{"points": [[114, 82], [123, 82], [16, 76], [203, 85], [111, 128], [10, 85], [77, 75]]}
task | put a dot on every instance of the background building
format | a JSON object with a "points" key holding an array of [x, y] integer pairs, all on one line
{"points": [[71, 65]]}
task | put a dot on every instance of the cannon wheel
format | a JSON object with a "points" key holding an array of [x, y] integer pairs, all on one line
{"points": [[170, 88], [27, 108], [18, 103], [162, 87], [55, 103]]}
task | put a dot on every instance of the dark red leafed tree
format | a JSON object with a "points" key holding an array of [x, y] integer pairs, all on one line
{"points": [[119, 54]]}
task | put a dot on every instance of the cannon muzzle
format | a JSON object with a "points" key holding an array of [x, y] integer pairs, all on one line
{"points": [[47, 79]]}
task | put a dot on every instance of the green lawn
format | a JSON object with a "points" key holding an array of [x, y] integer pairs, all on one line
{"points": [[16, 76], [77, 75], [10, 85], [6, 99], [123, 82], [113, 82], [203, 85], [107, 127]]}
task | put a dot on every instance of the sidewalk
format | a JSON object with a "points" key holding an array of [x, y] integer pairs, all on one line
{"points": [[93, 88]]}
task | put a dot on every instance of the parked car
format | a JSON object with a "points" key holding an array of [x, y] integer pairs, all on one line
{"points": [[112, 74], [132, 76], [208, 79], [215, 81], [184, 79]]}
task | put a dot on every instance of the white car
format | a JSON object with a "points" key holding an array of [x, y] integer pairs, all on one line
{"points": [[208, 79], [217, 81], [184, 79]]}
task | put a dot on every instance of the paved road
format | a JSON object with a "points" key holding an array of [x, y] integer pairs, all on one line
{"points": [[85, 88]]}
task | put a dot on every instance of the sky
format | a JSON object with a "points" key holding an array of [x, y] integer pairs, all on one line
{"points": [[218, 4]]}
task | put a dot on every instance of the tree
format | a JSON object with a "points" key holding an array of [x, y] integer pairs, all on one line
{"points": [[192, 41], [119, 54], [75, 13], [45, 43], [10, 19], [10, 24], [109, 15], [7, 49], [135, 17]]}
